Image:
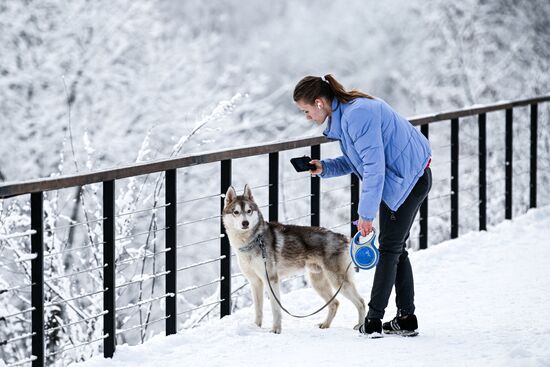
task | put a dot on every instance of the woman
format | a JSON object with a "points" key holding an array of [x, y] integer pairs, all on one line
{"points": [[392, 159]]}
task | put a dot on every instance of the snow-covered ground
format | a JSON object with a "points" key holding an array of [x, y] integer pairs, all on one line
{"points": [[482, 300]]}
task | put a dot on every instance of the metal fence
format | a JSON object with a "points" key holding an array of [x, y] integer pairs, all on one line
{"points": [[108, 178]]}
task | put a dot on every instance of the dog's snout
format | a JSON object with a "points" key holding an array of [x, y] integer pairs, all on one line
{"points": [[245, 223]]}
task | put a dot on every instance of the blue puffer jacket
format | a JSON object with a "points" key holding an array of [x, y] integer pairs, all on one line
{"points": [[381, 147]]}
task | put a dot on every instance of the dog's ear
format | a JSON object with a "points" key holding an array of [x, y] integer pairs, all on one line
{"points": [[230, 195], [248, 192]]}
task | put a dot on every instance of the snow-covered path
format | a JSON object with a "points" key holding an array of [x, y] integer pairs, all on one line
{"points": [[482, 300]]}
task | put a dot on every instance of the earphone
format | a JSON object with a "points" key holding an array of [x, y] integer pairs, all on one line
{"points": [[318, 105]]}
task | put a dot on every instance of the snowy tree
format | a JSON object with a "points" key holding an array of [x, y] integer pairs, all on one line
{"points": [[87, 84]]}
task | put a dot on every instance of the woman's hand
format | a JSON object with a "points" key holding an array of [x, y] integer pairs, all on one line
{"points": [[364, 226], [318, 167]]}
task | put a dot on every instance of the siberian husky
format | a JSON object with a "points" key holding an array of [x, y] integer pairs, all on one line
{"points": [[289, 248]]}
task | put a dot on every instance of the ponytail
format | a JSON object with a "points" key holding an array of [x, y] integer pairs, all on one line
{"points": [[341, 94], [312, 87]]}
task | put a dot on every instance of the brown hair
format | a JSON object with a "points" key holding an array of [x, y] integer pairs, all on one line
{"points": [[312, 87]]}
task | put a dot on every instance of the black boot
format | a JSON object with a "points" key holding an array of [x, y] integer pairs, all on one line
{"points": [[402, 325], [372, 328]]}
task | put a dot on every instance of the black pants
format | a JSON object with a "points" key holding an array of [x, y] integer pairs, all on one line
{"points": [[394, 266]]}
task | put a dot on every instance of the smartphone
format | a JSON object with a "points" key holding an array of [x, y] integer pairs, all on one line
{"points": [[301, 164]]}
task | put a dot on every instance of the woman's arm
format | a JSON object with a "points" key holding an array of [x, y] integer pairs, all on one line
{"points": [[334, 167], [365, 130]]}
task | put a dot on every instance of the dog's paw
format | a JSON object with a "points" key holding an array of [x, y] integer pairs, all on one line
{"points": [[276, 330], [323, 325], [258, 323]]}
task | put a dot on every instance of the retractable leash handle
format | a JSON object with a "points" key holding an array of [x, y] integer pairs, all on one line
{"points": [[363, 251]]}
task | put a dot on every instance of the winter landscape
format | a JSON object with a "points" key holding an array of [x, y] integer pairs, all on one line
{"points": [[95, 85]]}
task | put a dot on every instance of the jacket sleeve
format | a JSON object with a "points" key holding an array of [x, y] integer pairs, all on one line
{"points": [[365, 130], [335, 167]]}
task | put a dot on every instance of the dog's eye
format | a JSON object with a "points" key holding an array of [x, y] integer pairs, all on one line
{"points": [[236, 212], [248, 211]]}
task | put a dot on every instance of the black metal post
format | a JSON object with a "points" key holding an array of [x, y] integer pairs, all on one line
{"points": [[353, 213], [37, 278], [274, 187], [533, 164], [423, 236], [454, 178], [109, 302], [171, 257], [315, 190], [225, 249], [482, 146], [354, 208], [509, 154]]}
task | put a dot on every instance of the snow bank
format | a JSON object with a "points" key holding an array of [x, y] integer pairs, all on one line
{"points": [[481, 301]]}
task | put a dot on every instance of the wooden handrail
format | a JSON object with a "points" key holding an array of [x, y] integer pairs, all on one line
{"points": [[10, 189], [476, 110]]}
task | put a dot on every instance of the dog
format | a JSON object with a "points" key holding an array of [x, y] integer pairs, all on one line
{"points": [[289, 248]]}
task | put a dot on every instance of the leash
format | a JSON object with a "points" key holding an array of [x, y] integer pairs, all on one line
{"points": [[264, 256]]}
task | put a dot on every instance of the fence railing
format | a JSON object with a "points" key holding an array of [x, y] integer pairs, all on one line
{"points": [[108, 178]]}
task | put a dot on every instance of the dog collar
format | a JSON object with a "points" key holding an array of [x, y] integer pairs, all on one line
{"points": [[252, 244]]}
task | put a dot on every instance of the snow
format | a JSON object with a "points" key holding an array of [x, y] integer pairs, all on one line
{"points": [[17, 234], [26, 257], [481, 300]]}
